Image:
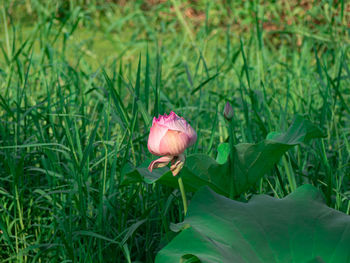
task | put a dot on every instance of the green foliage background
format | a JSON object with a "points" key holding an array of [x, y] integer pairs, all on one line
{"points": [[81, 80]]}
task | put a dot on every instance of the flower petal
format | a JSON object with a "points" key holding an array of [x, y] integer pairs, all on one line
{"points": [[192, 135], [172, 122], [173, 143], [161, 162], [177, 163], [157, 132]]}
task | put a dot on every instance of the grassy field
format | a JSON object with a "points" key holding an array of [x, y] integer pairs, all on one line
{"points": [[80, 82]]}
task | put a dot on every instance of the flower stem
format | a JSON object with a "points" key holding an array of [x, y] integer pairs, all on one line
{"points": [[232, 140], [183, 194]]}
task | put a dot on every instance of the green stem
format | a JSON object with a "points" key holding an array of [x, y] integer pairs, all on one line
{"points": [[232, 140], [290, 175], [328, 173], [183, 194]]}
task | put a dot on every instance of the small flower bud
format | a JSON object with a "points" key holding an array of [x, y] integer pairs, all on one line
{"points": [[228, 111]]}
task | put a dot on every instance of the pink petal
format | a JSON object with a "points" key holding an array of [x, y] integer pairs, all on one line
{"points": [[171, 121], [173, 143], [161, 162], [156, 134], [192, 135], [179, 124]]}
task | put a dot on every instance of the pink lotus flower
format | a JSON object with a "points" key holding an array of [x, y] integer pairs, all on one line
{"points": [[169, 137]]}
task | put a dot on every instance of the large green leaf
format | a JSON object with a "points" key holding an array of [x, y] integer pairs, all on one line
{"points": [[298, 228], [251, 162], [199, 170]]}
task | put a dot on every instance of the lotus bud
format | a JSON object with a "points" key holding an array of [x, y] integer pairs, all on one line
{"points": [[169, 137], [228, 111]]}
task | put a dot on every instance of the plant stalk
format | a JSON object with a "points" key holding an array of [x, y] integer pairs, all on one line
{"points": [[183, 194], [232, 140]]}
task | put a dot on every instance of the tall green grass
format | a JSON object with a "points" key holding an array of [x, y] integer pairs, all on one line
{"points": [[79, 85]]}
